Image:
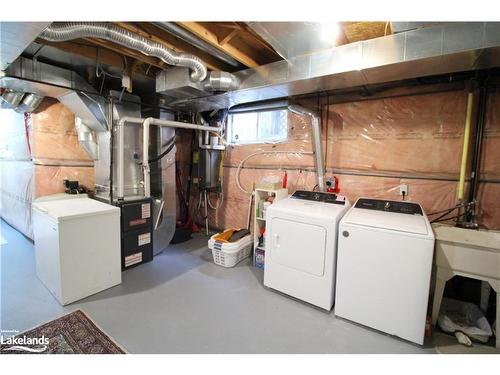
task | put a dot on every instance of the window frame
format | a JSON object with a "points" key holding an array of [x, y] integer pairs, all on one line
{"points": [[276, 140]]}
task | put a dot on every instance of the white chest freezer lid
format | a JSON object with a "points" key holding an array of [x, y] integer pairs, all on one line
{"points": [[400, 222], [66, 209]]}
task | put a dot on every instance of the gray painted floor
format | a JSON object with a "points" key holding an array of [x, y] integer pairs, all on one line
{"points": [[183, 303]]}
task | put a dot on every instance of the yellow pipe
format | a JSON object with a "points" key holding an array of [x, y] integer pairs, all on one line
{"points": [[465, 150]]}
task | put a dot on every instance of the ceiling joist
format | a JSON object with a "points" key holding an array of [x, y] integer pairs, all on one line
{"points": [[212, 38]]}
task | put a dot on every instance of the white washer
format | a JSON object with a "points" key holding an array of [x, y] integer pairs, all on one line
{"points": [[384, 267], [301, 246]]}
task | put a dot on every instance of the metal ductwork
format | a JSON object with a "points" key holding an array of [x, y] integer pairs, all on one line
{"points": [[11, 99], [179, 32], [20, 101], [30, 103], [59, 32], [87, 138], [221, 81], [40, 80], [15, 37], [440, 49], [174, 84], [26, 75]]}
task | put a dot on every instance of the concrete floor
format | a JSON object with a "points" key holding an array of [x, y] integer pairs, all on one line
{"points": [[183, 303]]}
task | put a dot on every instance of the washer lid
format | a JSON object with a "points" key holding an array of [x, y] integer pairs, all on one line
{"points": [[416, 224]]}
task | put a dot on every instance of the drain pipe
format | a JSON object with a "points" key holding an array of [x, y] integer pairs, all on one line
{"points": [[146, 123], [316, 139]]}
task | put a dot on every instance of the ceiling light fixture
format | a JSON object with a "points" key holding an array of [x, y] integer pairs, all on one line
{"points": [[329, 31]]}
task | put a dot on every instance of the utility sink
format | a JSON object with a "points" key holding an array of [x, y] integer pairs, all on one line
{"points": [[469, 253], [468, 250]]}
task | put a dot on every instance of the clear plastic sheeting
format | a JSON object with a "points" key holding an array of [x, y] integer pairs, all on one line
{"points": [[17, 194], [409, 134], [49, 179], [16, 169], [489, 186], [372, 146], [55, 155], [298, 139], [56, 151], [54, 135], [13, 144], [490, 160]]}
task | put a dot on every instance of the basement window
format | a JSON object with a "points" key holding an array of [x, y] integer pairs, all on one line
{"points": [[269, 126]]}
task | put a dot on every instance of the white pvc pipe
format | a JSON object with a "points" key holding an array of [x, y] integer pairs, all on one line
{"points": [[146, 123]]}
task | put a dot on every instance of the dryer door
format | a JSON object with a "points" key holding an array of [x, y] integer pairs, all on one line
{"points": [[297, 245]]}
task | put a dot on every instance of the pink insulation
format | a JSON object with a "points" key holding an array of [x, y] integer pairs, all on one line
{"points": [[418, 136], [420, 133], [489, 192], [55, 155], [49, 179], [56, 151]]}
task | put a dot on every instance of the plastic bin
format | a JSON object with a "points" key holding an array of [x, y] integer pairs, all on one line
{"points": [[228, 254]]}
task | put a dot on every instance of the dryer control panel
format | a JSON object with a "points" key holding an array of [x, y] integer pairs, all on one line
{"points": [[389, 206], [318, 196]]}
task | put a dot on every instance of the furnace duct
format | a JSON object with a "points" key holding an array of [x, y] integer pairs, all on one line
{"points": [[86, 138], [316, 139], [65, 31], [20, 101]]}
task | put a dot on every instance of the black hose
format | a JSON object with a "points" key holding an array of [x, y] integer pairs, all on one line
{"points": [[171, 145]]}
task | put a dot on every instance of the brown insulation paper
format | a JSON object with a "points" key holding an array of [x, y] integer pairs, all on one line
{"points": [[415, 140]]}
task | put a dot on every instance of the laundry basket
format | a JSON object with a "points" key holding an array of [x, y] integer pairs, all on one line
{"points": [[228, 254]]}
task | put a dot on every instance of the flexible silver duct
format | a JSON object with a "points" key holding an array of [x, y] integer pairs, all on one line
{"points": [[11, 99], [29, 104], [221, 81], [59, 32], [179, 32]]}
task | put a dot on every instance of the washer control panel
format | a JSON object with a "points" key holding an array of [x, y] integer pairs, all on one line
{"points": [[389, 206], [318, 196]]}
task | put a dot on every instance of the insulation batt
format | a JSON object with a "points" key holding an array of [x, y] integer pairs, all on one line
{"points": [[417, 135], [55, 155], [56, 151], [16, 172]]}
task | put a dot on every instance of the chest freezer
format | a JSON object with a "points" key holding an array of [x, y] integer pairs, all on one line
{"points": [[77, 247]]}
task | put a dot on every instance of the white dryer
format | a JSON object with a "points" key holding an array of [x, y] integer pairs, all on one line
{"points": [[384, 267], [301, 246]]}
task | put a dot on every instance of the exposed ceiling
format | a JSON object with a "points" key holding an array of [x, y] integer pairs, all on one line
{"points": [[237, 42], [275, 59]]}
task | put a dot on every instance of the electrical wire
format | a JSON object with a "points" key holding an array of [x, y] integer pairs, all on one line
{"points": [[263, 153], [449, 211], [170, 145]]}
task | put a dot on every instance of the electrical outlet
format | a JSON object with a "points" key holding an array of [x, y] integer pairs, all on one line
{"points": [[403, 189]]}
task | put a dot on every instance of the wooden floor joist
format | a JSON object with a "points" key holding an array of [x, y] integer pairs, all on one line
{"points": [[210, 37]]}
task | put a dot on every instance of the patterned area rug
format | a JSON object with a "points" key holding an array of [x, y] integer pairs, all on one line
{"points": [[74, 333]]}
